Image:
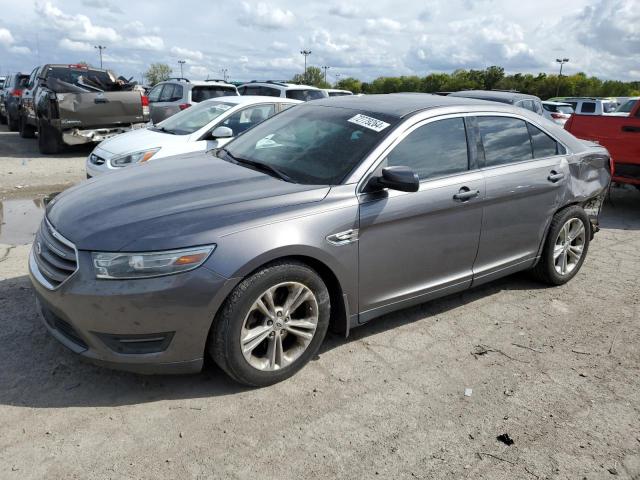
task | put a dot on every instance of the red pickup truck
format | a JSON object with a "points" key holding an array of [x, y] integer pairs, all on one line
{"points": [[619, 134]]}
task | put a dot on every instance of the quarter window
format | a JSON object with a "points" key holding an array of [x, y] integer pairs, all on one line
{"points": [[154, 94], [543, 144], [505, 140], [433, 150]]}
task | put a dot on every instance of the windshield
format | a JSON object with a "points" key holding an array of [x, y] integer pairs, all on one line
{"points": [[312, 144], [627, 106], [194, 118], [305, 95]]}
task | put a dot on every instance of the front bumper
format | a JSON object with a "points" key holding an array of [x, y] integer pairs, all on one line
{"points": [[116, 322]]}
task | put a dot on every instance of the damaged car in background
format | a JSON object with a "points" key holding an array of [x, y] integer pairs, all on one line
{"points": [[77, 104]]}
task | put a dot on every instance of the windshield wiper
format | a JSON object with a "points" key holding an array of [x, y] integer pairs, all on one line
{"points": [[263, 167], [164, 130]]}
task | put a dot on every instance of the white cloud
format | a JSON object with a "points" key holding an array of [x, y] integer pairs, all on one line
{"points": [[102, 4], [265, 15], [147, 42], [186, 53], [8, 41], [74, 46], [345, 11], [77, 27], [382, 25]]}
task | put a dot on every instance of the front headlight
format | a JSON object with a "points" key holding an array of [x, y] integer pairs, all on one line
{"points": [[134, 157], [149, 264]]}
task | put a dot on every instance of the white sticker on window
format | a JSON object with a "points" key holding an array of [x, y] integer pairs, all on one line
{"points": [[222, 107], [369, 122]]}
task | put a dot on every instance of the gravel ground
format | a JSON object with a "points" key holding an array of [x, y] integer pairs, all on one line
{"points": [[557, 369]]}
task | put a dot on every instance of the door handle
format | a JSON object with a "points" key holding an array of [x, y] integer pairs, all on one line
{"points": [[630, 128], [465, 194], [555, 176]]}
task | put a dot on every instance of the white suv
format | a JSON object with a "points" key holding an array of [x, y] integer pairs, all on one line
{"points": [[175, 94], [591, 106], [272, 88]]}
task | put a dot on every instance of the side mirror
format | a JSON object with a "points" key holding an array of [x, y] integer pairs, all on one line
{"points": [[221, 132], [396, 178]]}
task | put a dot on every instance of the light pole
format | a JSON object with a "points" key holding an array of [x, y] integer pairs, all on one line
{"points": [[181, 62], [337, 75], [325, 68], [561, 61], [305, 53], [224, 72], [100, 49]]}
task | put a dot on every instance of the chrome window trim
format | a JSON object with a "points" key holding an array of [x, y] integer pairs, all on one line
{"points": [[34, 267]]}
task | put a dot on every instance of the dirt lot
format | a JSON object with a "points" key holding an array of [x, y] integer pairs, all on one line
{"points": [[557, 369]]}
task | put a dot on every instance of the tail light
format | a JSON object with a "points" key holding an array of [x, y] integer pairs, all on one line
{"points": [[145, 105], [16, 92], [184, 106]]}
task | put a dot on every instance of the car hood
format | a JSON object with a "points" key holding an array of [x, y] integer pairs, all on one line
{"points": [[140, 139], [172, 204]]}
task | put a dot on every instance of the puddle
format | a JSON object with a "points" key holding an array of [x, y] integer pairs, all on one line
{"points": [[20, 219]]}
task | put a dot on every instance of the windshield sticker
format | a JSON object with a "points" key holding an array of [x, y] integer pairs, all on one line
{"points": [[222, 107], [369, 122]]}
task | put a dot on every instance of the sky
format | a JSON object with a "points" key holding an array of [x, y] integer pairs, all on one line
{"points": [[364, 39]]}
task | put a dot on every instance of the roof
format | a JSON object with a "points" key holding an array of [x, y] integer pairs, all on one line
{"points": [[549, 102], [248, 99], [395, 104], [273, 83], [494, 95]]}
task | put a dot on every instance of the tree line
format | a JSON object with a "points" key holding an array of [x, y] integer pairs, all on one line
{"points": [[542, 85]]}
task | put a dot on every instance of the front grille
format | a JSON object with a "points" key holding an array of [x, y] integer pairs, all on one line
{"points": [[96, 160], [54, 255]]}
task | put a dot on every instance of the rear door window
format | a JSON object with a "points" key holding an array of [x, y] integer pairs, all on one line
{"points": [[505, 140], [202, 93], [251, 90], [154, 94], [434, 150], [588, 107], [167, 93], [305, 95], [269, 92]]}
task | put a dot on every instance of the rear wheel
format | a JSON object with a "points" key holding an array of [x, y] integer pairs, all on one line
{"points": [[565, 247], [3, 119], [271, 325], [49, 139], [26, 130]]}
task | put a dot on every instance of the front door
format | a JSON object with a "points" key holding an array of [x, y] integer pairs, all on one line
{"points": [[414, 246]]}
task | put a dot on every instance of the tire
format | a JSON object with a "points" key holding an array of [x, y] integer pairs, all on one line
{"points": [[12, 123], [49, 139], [26, 130], [256, 368], [3, 120], [560, 253]]}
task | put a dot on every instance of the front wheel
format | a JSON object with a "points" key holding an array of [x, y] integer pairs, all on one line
{"points": [[565, 247], [271, 325], [26, 130]]}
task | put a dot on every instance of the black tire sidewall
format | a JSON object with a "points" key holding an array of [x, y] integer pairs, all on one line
{"points": [[558, 222], [236, 310]]}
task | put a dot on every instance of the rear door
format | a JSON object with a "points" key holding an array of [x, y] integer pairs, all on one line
{"points": [[161, 108], [525, 171], [416, 245]]}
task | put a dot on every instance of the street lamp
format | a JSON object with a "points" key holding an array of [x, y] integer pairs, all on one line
{"points": [[100, 49], [561, 61], [224, 72], [325, 68], [305, 53], [337, 75], [181, 62]]}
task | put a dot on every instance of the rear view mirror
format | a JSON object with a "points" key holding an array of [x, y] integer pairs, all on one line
{"points": [[398, 178], [221, 132]]}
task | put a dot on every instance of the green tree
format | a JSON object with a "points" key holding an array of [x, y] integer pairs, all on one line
{"points": [[314, 77], [492, 77], [158, 72], [352, 84]]}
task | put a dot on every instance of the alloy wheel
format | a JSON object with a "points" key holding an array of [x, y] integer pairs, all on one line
{"points": [[279, 326], [569, 246]]}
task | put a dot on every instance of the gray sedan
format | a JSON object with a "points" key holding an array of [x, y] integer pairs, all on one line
{"points": [[329, 214]]}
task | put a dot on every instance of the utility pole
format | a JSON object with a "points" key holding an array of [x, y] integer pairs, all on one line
{"points": [[338, 78], [305, 53], [181, 62], [561, 61], [100, 49], [325, 68], [224, 72]]}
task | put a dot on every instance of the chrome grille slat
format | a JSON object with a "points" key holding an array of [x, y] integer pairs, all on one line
{"points": [[55, 257]]}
